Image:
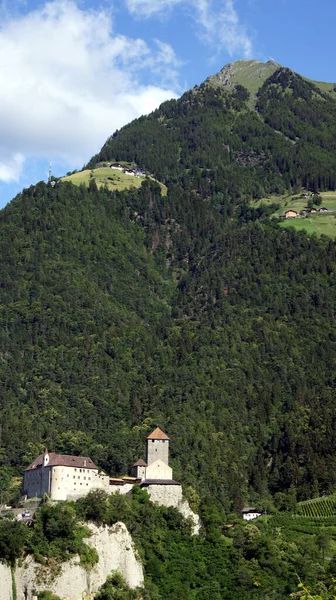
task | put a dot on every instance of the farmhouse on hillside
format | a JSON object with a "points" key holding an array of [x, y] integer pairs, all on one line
{"points": [[290, 214], [250, 513], [117, 166]]}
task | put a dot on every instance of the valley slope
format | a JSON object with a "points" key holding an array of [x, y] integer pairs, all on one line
{"points": [[123, 310]]}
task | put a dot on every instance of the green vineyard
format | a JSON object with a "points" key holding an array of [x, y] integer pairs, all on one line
{"points": [[305, 525], [318, 507], [311, 518]]}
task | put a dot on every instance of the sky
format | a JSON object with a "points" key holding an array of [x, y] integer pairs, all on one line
{"points": [[74, 71]]}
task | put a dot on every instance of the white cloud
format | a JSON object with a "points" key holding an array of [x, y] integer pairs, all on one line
{"points": [[217, 20], [67, 81]]}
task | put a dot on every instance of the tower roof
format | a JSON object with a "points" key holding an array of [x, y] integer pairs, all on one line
{"points": [[140, 463], [157, 434]]}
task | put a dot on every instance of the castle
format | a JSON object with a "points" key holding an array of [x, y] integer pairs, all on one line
{"points": [[65, 477]]}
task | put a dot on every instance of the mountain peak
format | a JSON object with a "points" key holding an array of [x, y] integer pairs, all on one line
{"points": [[249, 73]]}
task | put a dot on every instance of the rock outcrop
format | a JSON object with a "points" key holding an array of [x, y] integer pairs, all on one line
{"points": [[171, 495], [70, 580]]}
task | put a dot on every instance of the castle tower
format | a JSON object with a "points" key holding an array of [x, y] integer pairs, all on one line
{"points": [[157, 447], [139, 469]]}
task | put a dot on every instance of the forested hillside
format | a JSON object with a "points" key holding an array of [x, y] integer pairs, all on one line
{"points": [[216, 145], [125, 310], [121, 311]]}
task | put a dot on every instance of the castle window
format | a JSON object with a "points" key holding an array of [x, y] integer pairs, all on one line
{"points": [[78, 477], [75, 469], [74, 476], [68, 475], [84, 477], [80, 470]]}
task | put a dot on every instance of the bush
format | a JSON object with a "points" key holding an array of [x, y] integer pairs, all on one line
{"points": [[47, 595], [116, 588], [13, 537]]}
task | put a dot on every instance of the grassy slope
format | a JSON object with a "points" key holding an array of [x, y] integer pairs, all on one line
{"points": [[318, 223], [252, 74], [115, 180]]}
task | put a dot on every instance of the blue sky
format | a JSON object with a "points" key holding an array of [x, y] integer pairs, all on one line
{"points": [[72, 71]]}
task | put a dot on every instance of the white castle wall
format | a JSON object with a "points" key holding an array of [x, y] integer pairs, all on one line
{"points": [[159, 470]]}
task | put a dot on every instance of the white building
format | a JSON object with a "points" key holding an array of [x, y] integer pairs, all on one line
{"points": [[117, 166], [250, 513], [62, 475]]}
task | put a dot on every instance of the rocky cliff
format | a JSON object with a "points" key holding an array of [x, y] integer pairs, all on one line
{"points": [[171, 495], [70, 580]]}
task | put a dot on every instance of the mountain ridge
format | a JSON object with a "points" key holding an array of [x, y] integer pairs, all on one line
{"points": [[253, 73]]}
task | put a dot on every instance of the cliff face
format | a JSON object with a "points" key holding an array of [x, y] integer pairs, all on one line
{"points": [[171, 495], [72, 582]]}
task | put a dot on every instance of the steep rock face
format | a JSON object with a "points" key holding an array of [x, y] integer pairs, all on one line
{"points": [[171, 495], [5, 583], [70, 580]]}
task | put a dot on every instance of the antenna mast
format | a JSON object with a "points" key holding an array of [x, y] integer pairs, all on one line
{"points": [[50, 172]]}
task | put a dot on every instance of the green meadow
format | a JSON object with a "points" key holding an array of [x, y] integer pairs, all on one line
{"points": [[113, 179], [319, 224]]}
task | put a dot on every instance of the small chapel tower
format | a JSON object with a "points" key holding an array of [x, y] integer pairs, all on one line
{"points": [[45, 458], [157, 447]]}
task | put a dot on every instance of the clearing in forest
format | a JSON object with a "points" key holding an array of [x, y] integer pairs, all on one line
{"points": [[115, 180]]}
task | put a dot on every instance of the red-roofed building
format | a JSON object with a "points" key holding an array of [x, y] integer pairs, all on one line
{"points": [[62, 476], [157, 447], [157, 434]]}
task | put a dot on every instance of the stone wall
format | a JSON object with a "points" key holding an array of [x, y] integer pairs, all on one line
{"points": [[70, 580], [157, 450]]}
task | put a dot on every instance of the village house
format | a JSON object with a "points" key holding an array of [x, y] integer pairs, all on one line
{"points": [[323, 209], [65, 477], [290, 214], [250, 513], [117, 166]]}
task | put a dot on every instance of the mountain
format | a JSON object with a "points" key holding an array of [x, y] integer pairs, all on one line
{"points": [[252, 74], [191, 311], [216, 143], [249, 73]]}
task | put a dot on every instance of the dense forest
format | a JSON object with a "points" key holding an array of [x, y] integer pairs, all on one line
{"points": [[125, 310]]}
